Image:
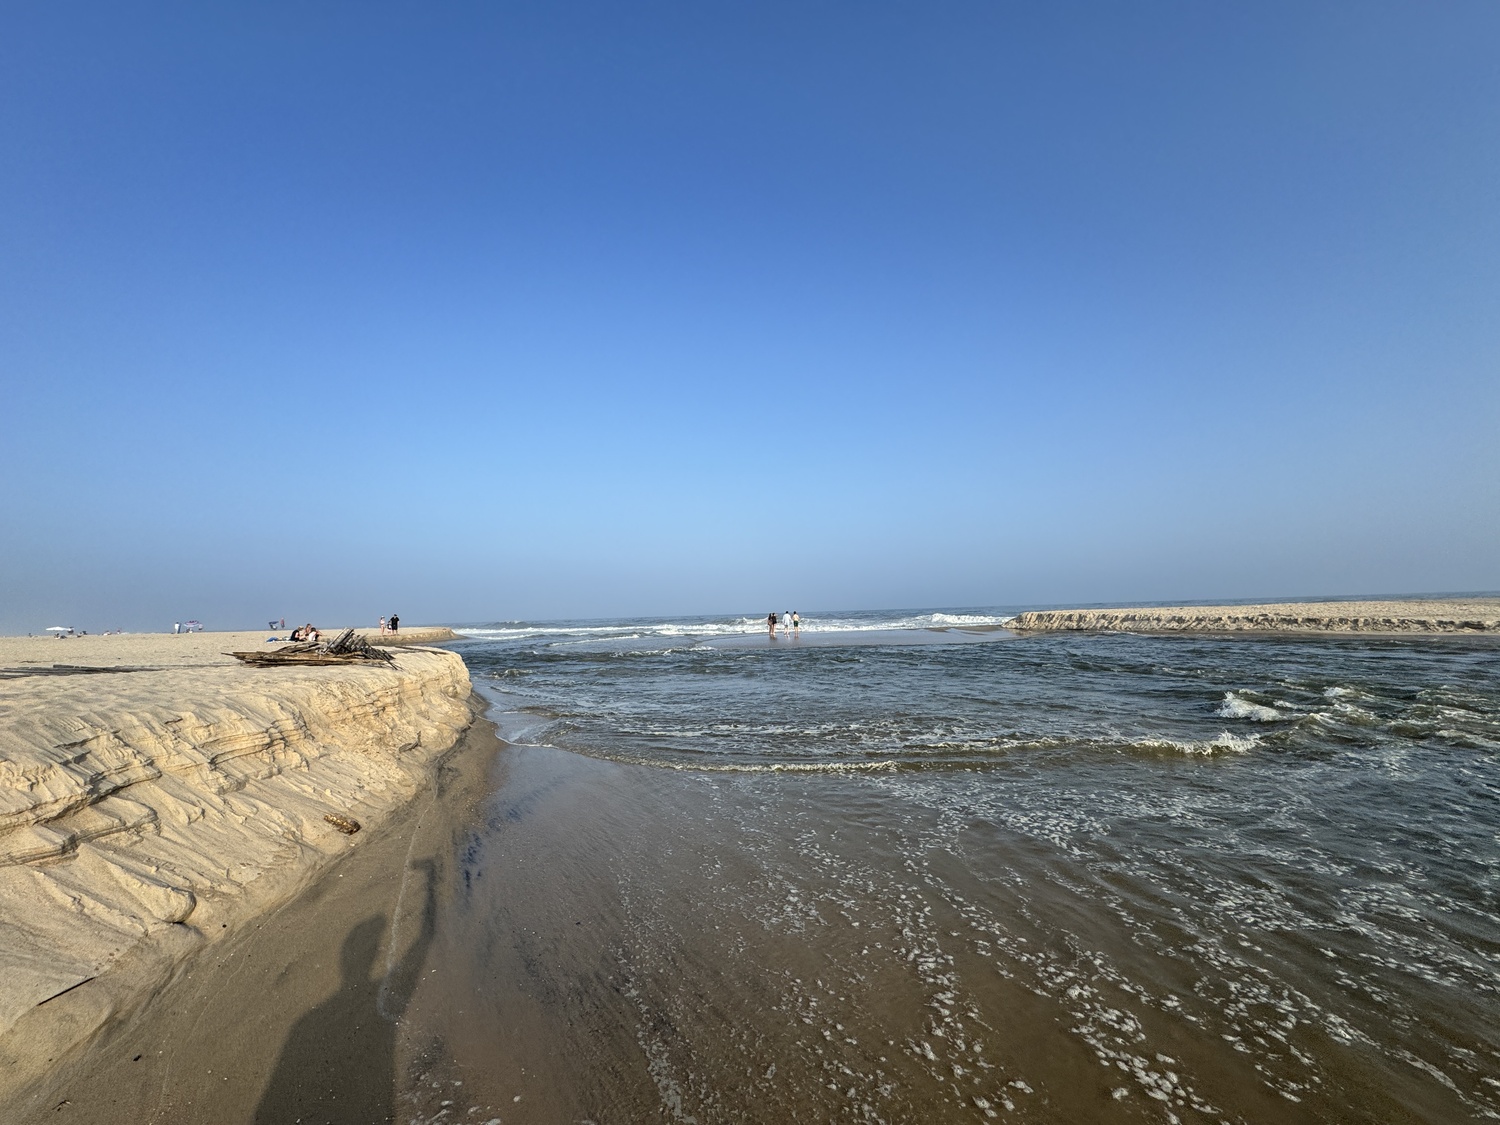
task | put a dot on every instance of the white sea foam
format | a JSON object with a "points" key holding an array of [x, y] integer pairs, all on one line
{"points": [[1226, 743], [913, 621], [728, 627], [961, 619], [1237, 707], [762, 767]]}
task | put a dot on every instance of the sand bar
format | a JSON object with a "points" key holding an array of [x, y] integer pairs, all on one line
{"points": [[154, 793], [429, 635], [1416, 615]]}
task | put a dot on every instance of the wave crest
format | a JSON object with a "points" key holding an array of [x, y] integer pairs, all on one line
{"points": [[1238, 707]]}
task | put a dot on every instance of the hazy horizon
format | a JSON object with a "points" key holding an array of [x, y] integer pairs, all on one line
{"points": [[574, 312], [756, 619]]}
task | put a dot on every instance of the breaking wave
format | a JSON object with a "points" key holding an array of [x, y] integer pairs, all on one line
{"points": [[708, 627], [1238, 707]]}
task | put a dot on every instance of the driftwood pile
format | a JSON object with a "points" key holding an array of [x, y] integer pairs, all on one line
{"points": [[346, 648]]}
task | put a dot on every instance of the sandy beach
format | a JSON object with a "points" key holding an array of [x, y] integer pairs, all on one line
{"points": [[156, 796], [1415, 615], [299, 1013], [1081, 878]]}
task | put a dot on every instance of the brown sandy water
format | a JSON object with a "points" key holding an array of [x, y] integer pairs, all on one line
{"points": [[638, 944]]}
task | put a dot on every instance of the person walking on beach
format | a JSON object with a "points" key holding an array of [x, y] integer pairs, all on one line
{"points": [[771, 623], [796, 622], [395, 622], [382, 626]]}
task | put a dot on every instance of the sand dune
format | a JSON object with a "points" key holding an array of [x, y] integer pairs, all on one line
{"points": [[153, 791], [1418, 615]]}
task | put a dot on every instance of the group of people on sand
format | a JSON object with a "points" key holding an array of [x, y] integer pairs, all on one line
{"points": [[788, 621], [309, 632]]}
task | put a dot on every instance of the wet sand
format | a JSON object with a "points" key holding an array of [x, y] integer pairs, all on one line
{"points": [[632, 944], [628, 943]]}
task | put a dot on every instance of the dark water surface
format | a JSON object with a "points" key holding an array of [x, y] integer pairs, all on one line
{"points": [[915, 868]]}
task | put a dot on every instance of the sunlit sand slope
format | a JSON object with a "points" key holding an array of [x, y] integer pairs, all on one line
{"points": [[153, 791]]}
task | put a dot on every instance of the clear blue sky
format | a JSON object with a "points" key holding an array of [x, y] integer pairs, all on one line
{"points": [[504, 310]]}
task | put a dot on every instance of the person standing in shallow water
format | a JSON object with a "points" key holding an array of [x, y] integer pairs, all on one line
{"points": [[771, 623], [796, 622]]}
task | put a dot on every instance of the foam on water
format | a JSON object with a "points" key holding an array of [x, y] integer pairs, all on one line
{"points": [[1238, 707], [833, 623], [1223, 743]]}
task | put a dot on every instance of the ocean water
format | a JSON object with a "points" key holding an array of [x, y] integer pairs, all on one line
{"points": [[915, 867]]}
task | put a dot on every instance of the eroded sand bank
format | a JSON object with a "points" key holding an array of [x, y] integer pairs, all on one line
{"points": [[1468, 615], [303, 1012], [154, 792]]}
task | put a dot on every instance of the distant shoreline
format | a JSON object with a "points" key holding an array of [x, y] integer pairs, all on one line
{"points": [[1404, 617]]}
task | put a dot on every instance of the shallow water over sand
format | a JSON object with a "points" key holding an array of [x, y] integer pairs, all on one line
{"points": [[913, 875]]}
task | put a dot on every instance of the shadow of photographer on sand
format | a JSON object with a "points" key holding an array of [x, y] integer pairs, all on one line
{"points": [[338, 1064]]}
